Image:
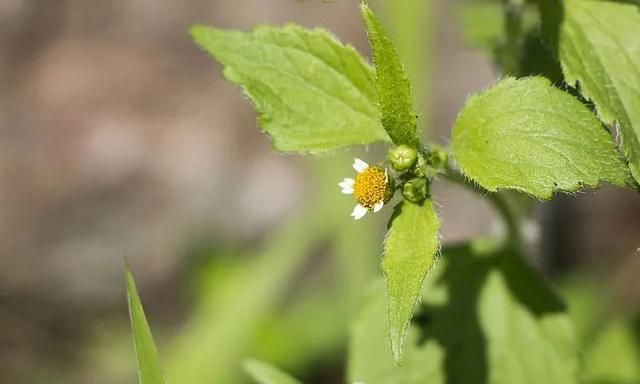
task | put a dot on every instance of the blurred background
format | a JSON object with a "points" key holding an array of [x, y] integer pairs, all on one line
{"points": [[120, 140]]}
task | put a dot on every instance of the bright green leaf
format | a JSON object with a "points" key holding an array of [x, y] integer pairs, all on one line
{"points": [[149, 371], [485, 317], [599, 50], [529, 333], [266, 374], [614, 357], [412, 26], [369, 359], [392, 84], [526, 135], [409, 250], [312, 93]]}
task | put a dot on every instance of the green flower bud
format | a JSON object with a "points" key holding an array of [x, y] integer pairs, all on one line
{"points": [[402, 157], [437, 157], [390, 190], [415, 190], [421, 167]]}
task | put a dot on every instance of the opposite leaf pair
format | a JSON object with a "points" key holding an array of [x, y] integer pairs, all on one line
{"points": [[314, 94]]}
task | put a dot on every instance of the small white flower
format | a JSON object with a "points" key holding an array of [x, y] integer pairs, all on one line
{"points": [[368, 188]]}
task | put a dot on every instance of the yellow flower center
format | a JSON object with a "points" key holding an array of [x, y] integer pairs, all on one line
{"points": [[369, 186]]}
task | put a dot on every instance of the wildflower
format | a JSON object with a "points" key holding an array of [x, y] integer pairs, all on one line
{"points": [[369, 188]]}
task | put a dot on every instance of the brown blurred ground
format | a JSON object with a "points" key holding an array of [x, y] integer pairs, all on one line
{"points": [[119, 138]]}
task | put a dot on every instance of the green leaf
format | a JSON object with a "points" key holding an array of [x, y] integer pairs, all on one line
{"points": [[603, 57], [149, 371], [614, 357], [529, 333], [312, 93], [392, 84], [369, 359], [412, 27], [409, 250], [266, 374], [526, 135], [486, 317]]}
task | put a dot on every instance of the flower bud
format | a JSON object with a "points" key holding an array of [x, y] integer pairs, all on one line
{"points": [[437, 157], [390, 190], [421, 169], [415, 190], [402, 157]]}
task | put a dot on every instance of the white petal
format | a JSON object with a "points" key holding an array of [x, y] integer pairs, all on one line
{"points": [[347, 186], [358, 212], [386, 176], [347, 190], [359, 165], [346, 183], [378, 206]]}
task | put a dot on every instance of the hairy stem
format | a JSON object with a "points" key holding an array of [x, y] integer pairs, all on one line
{"points": [[500, 201], [513, 28]]}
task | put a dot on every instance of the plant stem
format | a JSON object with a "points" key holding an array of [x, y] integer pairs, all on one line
{"points": [[513, 24], [500, 202]]}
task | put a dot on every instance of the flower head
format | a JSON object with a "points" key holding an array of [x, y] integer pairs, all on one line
{"points": [[368, 188]]}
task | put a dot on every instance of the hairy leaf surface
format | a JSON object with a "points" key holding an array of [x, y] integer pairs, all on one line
{"points": [[392, 84], [526, 135], [409, 250], [486, 317], [312, 93], [599, 50]]}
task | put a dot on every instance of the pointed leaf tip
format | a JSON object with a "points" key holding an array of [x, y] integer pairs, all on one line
{"points": [[149, 371], [392, 84], [264, 373], [409, 250]]}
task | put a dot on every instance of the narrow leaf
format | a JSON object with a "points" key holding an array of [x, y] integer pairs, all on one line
{"points": [[312, 93], [409, 250], [599, 50], [149, 371], [392, 84], [266, 374], [526, 135]]}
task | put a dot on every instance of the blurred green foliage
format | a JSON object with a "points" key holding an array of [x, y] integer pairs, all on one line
{"points": [[485, 315]]}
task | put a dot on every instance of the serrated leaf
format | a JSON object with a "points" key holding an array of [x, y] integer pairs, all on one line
{"points": [[526, 135], [409, 250], [392, 84], [602, 58], [266, 374], [149, 371], [486, 317], [312, 93]]}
